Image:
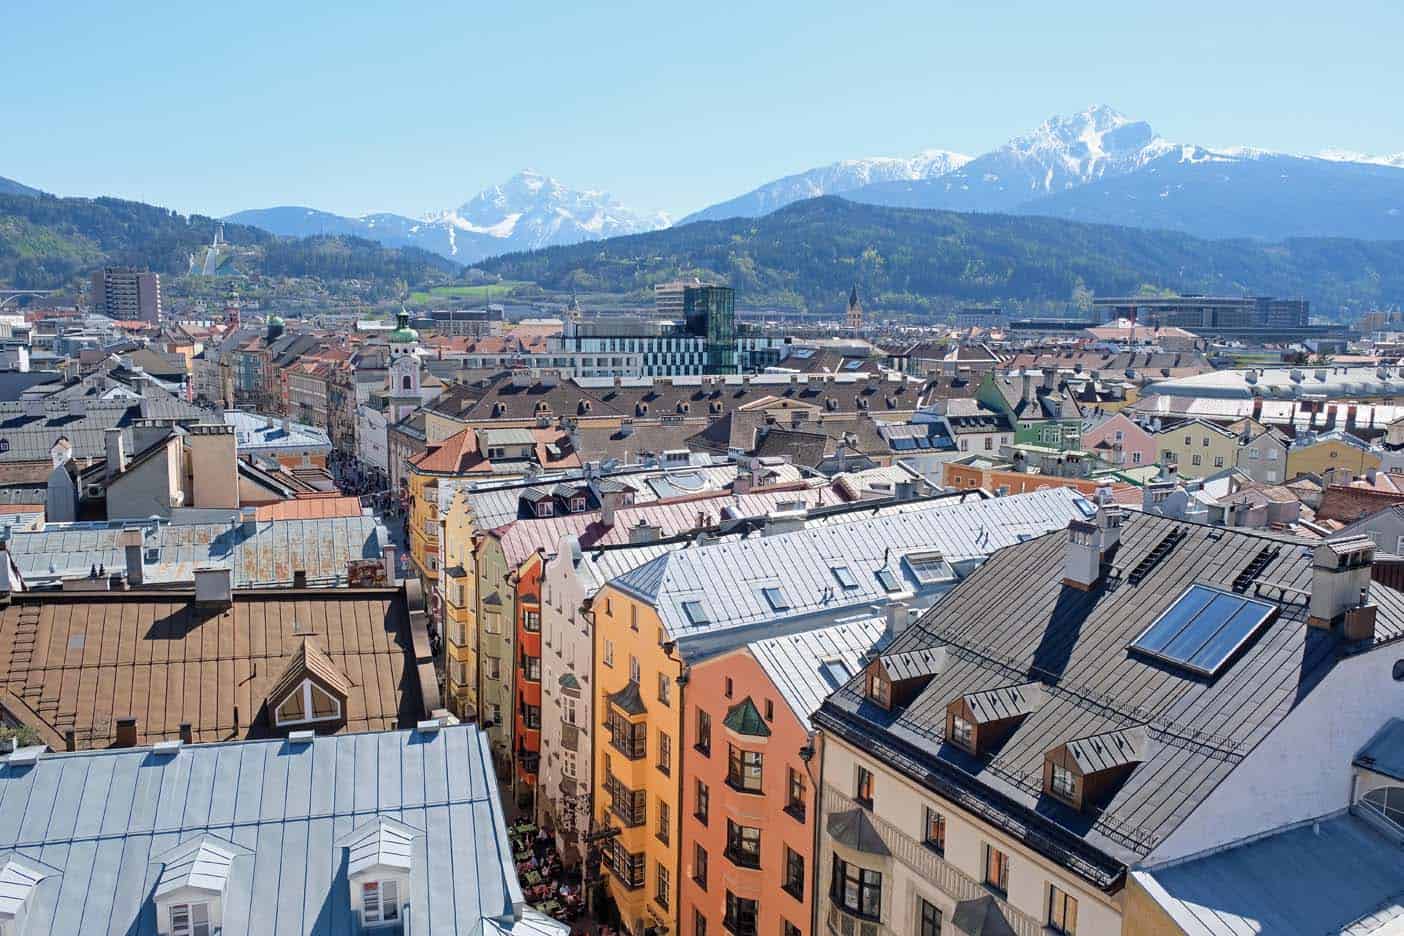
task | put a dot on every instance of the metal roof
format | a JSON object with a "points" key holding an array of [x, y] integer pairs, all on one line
{"points": [[103, 821], [1013, 620], [1385, 752], [796, 663], [260, 553], [1337, 876], [255, 432], [727, 577]]}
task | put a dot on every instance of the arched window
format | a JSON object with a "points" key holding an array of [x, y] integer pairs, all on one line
{"points": [[1387, 802], [405, 384]]}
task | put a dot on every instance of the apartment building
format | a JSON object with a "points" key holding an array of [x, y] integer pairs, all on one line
{"points": [[1198, 447], [1121, 441], [1130, 693], [1262, 452], [1318, 453], [657, 627], [127, 294]]}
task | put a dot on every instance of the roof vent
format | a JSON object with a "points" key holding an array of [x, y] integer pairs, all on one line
{"points": [[301, 737], [429, 726]]}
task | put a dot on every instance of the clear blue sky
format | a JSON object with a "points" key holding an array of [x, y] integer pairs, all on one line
{"points": [[414, 106]]}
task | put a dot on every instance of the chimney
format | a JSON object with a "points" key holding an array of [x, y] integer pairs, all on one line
{"points": [[213, 587], [126, 733], [744, 481], [1340, 587], [70, 740], [904, 490], [132, 548], [644, 533], [1088, 545], [1257, 409], [1350, 416], [187, 734], [1050, 378], [898, 617], [387, 552], [116, 452], [1331, 416], [610, 501], [1026, 386]]}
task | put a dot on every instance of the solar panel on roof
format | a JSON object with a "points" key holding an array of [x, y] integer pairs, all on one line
{"points": [[1203, 629]]}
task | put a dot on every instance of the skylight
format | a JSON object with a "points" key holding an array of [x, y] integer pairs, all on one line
{"points": [[835, 673], [696, 613], [888, 580], [1203, 629], [845, 578], [930, 568], [775, 597]]}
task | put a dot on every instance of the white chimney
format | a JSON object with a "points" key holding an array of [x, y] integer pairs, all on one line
{"points": [[132, 548], [116, 452], [387, 552], [610, 502], [214, 586], [1340, 587], [1087, 546], [899, 615]]}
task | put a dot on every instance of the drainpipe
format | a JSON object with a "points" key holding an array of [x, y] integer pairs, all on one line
{"points": [[681, 680], [816, 746]]}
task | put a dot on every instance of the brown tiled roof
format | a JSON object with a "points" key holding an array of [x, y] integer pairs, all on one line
{"points": [[310, 660], [1348, 503], [311, 507], [80, 661]]}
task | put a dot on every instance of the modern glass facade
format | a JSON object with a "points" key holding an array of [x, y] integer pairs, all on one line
{"points": [[709, 312]]}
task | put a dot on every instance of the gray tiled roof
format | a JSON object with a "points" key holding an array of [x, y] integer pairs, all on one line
{"points": [[101, 820], [727, 577], [1013, 621], [262, 553]]}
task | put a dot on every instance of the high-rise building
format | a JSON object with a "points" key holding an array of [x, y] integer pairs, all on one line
{"points": [[668, 298], [709, 313], [127, 293]]}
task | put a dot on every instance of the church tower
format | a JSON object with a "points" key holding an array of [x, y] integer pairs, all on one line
{"points": [[854, 319]]}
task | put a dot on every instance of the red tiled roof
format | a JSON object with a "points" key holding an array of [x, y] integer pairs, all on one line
{"points": [[312, 507]]}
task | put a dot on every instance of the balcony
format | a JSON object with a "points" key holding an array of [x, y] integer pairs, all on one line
{"points": [[925, 863]]}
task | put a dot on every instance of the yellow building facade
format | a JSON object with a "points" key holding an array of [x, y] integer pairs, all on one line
{"points": [[458, 582], [1199, 448], [1329, 452], [637, 776]]}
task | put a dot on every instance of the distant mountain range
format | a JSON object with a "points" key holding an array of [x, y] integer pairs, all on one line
{"points": [[1101, 166], [527, 212], [833, 179], [11, 187], [807, 255]]}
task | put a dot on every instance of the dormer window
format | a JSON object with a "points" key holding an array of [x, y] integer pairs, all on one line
{"points": [[1062, 783], [1089, 771], [311, 690], [879, 688], [191, 890], [545, 509], [380, 862]]}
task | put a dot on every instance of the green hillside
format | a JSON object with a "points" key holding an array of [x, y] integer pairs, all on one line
{"points": [[808, 254], [45, 242]]}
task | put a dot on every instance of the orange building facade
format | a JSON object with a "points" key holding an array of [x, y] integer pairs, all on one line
{"points": [[527, 715], [969, 477], [747, 833]]}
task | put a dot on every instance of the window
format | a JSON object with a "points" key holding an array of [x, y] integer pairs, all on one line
{"points": [[996, 869], [633, 668], [844, 577], [531, 621], [740, 919], [660, 885], [794, 794], [744, 769], [380, 901], [665, 689], [1135, 460], [628, 739], [729, 687], [531, 717], [879, 688], [1272, 454], [769, 710], [1195, 459], [928, 918], [492, 667], [888, 580], [495, 713], [699, 923], [608, 653], [1189, 440], [794, 873], [1062, 783], [775, 597], [934, 830], [857, 890], [634, 616], [1203, 629], [491, 623], [699, 865], [191, 919], [1387, 802], [789, 929], [704, 733], [989, 443], [1253, 452], [568, 711], [531, 668], [701, 802], [309, 702], [743, 845], [1218, 461], [1062, 912], [665, 752], [1206, 441], [863, 788], [696, 613]]}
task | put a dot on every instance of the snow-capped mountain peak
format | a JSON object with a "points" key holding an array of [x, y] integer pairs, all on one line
{"points": [[1342, 155], [1075, 149]]}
